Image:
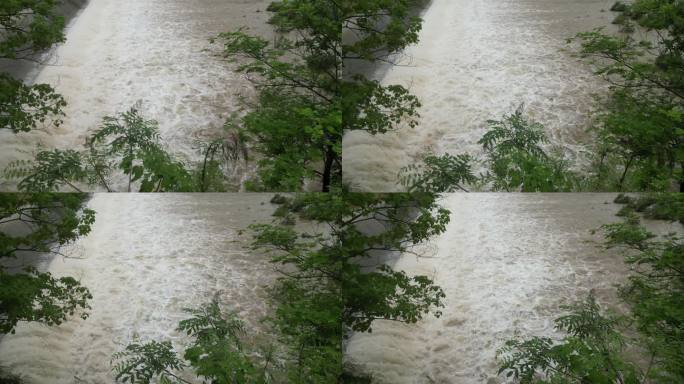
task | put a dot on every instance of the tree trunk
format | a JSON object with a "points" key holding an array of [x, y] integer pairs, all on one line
{"points": [[327, 168], [624, 174]]}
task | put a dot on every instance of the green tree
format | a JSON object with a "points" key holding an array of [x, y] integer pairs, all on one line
{"points": [[27, 28], [514, 160], [439, 174], [329, 286], [134, 143], [127, 143], [305, 99], [592, 351], [218, 353], [40, 223], [655, 291], [640, 130], [646, 344]]}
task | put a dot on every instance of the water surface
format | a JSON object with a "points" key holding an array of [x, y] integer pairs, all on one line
{"points": [[477, 60], [153, 52], [147, 258]]}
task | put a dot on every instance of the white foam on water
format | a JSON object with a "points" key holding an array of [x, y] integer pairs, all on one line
{"points": [[506, 262], [146, 259], [154, 51], [478, 60]]}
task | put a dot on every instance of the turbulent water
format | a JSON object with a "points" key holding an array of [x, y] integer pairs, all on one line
{"points": [[477, 60], [506, 263], [155, 52], [146, 259]]}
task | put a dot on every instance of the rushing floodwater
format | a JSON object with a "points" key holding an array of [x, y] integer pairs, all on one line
{"points": [[477, 60], [147, 257], [506, 263], [153, 51]]}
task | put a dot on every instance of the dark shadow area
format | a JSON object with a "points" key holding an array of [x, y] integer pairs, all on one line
{"points": [[24, 69], [377, 70]]}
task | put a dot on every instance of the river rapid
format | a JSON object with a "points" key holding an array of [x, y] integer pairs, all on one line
{"points": [[155, 53], [506, 262], [478, 60], [147, 258]]}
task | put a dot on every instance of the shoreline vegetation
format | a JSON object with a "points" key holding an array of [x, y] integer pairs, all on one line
{"points": [[634, 141], [326, 291]]}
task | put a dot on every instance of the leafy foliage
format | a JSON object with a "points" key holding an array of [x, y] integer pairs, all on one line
{"points": [[28, 27], [439, 174], [667, 206], [515, 160], [143, 362], [655, 293], [23, 107], [602, 349], [218, 353], [374, 108], [35, 296], [305, 103], [47, 222], [590, 353], [296, 122], [330, 286], [290, 132], [134, 143], [48, 171], [127, 143], [640, 130]]}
